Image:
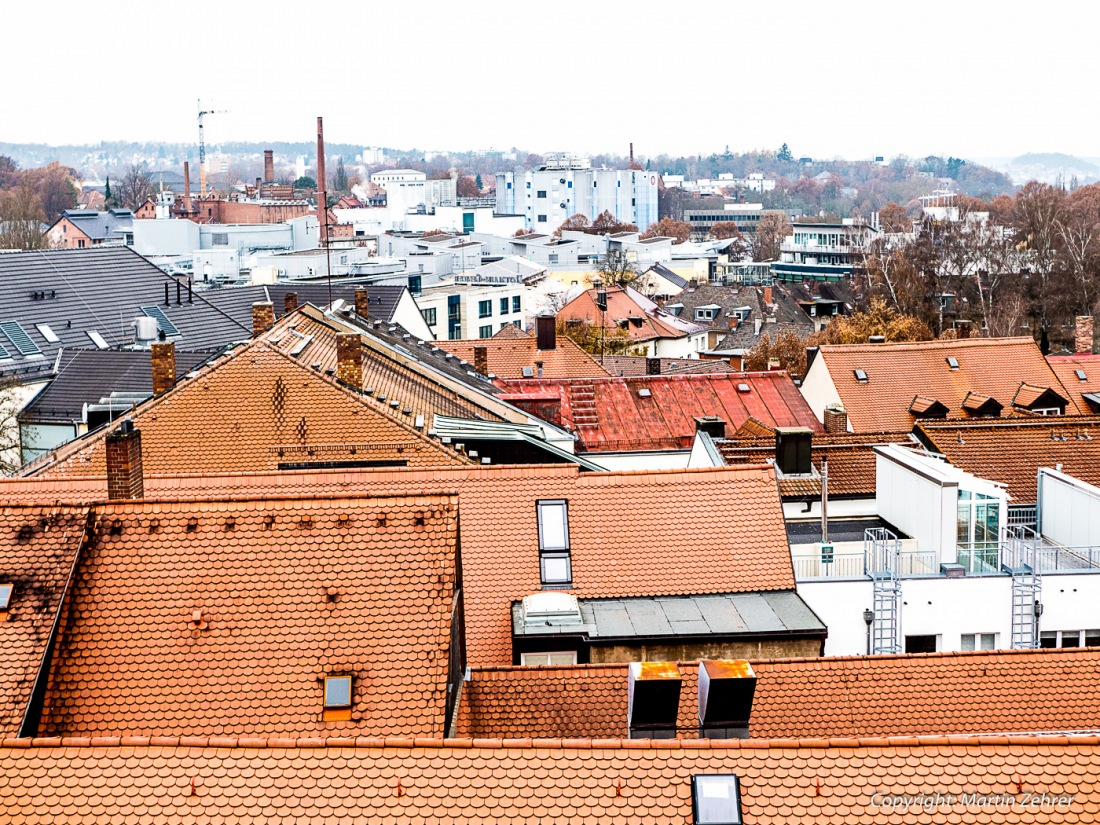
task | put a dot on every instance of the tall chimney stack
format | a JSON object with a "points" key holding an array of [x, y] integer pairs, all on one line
{"points": [[481, 359], [362, 302], [546, 334], [186, 187], [124, 474], [290, 302], [269, 166], [1083, 342], [263, 317], [164, 367], [349, 359], [835, 420], [322, 186]]}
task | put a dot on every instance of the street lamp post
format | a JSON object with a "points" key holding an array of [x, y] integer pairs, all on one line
{"points": [[868, 618]]}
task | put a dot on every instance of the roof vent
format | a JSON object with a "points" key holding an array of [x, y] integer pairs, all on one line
{"points": [[551, 609], [726, 690], [654, 700], [793, 446]]}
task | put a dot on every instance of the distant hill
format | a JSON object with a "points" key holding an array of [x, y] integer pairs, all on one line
{"points": [[1051, 167]]}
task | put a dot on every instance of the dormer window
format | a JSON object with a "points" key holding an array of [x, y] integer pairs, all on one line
{"points": [[5, 596], [337, 698], [555, 564]]}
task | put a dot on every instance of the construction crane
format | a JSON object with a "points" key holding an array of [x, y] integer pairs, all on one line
{"points": [[202, 147]]}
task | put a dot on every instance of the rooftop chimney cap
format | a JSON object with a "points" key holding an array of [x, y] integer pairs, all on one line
{"points": [[127, 426]]}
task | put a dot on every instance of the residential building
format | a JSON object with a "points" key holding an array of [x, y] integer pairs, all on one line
{"points": [[651, 330], [563, 188], [512, 353], [823, 251], [84, 228], [889, 387]]}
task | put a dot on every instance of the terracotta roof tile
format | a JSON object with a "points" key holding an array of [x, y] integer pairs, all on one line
{"points": [[600, 783], [1012, 450], [957, 693], [645, 321], [286, 591], [895, 372], [1066, 368], [507, 357], [616, 414]]}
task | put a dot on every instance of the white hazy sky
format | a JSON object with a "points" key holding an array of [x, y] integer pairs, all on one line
{"points": [[850, 79]]}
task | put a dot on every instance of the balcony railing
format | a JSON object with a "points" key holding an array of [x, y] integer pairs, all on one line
{"points": [[1024, 548], [882, 554]]}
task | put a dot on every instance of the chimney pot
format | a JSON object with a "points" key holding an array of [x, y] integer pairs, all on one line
{"points": [[349, 360], [481, 359], [290, 302], [546, 337], [712, 425], [164, 367], [124, 473], [263, 317]]}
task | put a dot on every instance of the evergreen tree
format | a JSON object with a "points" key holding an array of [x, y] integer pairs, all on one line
{"points": [[478, 183], [107, 191], [784, 154]]}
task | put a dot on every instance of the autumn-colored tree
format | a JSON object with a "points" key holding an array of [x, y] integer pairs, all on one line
{"points": [[574, 223], [894, 218], [9, 172], [466, 187], [608, 224], [771, 230], [724, 230], [596, 340], [679, 231], [21, 218], [55, 188], [879, 319], [519, 233], [787, 349]]}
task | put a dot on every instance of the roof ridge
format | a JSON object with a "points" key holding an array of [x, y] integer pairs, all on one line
{"points": [[969, 740], [937, 343]]}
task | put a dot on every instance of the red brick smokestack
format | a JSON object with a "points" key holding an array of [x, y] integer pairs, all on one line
{"points": [[269, 166], [186, 187], [322, 194], [163, 356], [349, 359], [124, 475]]}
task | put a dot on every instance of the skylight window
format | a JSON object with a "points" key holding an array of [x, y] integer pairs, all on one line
{"points": [[555, 564], [952, 362], [5, 596], [47, 333], [743, 387], [860, 375], [1081, 375], [716, 799], [338, 695], [98, 340]]}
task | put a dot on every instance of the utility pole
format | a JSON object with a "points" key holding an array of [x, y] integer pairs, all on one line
{"points": [[322, 205]]}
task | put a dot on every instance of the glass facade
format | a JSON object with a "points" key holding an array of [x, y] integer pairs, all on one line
{"points": [[978, 532]]}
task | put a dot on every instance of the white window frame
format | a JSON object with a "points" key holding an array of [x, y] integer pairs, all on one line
{"points": [[977, 641], [544, 658], [549, 551]]}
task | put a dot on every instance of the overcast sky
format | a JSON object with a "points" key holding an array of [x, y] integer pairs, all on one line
{"points": [[849, 79]]}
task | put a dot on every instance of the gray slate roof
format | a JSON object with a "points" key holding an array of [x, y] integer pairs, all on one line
{"points": [[102, 226]]}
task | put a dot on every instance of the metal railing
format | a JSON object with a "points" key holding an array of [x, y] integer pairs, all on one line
{"points": [[882, 553], [1024, 548]]}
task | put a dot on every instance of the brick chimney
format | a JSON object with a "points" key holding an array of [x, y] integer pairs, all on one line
{"points": [[768, 295], [546, 335], [263, 317], [481, 359], [836, 420], [186, 187], [652, 366], [164, 367], [362, 302], [349, 359], [290, 302], [124, 475], [712, 425], [1084, 339], [269, 166]]}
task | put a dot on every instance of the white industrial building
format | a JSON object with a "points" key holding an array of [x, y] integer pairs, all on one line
{"points": [[569, 186], [408, 189]]}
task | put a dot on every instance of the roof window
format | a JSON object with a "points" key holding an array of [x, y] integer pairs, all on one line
{"points": [[952, 362], [860, 375], [19, 338], [1081, 375], [337, 698], [98, 339], [743, 387], [48, 334], [716, 799], [5, 596], [555, 565], [644, 392]]}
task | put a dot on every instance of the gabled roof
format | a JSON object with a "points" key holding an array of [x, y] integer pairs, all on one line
{"points": [[84, 376], [269, 779], [993, 367], [1029, 397], [38, 548], [1011, 451], [924, 407], [658, 412], [509, 357], [1070, 369], [100, 226], [670, 276], [256, 408], [1011, 691], [218, 617], [510, 331], [982, 405], [643, 319]]}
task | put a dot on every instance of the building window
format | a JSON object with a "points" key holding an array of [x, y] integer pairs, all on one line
{"points": [[1069, 638], [485, 331], [429, 316], [978, 532], [5, 596], [485, 309], [921, 644], [541, 193], [978, 641], [542, 219], [555, 563], [562, 657], [515, 303], [503, 306], [337, 698]]}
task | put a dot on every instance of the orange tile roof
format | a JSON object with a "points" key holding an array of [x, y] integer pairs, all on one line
{"points": [[616, 414], [738, 541], [197, 780], [895, 372], [623, 304], [508, 356], [1066, 366], [253, 410], [38, 546], [1012, 450], [910, 695], [508, 332], [287, 590]]}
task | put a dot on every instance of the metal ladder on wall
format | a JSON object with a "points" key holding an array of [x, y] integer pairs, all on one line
{"points": [[880, 550], [1018, 559]]}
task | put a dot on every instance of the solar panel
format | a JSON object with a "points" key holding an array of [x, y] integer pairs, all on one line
{"points": [[19, 339], [166, 326]]}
